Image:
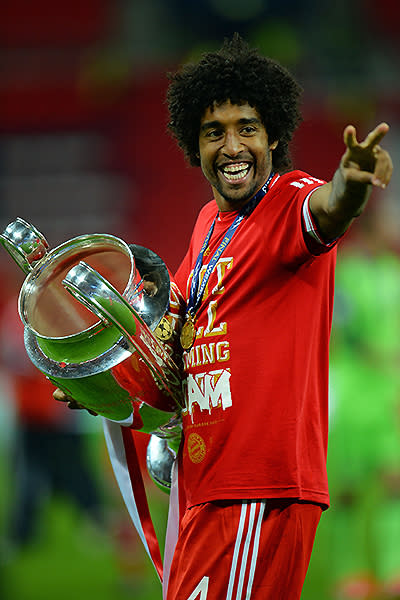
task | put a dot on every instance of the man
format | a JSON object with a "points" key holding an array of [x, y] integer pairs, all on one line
{"points": [[258, 280]]}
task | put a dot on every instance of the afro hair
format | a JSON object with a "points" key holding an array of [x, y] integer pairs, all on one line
{"points": [[240, 74]]}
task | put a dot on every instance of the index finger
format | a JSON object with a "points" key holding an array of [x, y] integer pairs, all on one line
{"points": [[349, 136], [376, 135]]}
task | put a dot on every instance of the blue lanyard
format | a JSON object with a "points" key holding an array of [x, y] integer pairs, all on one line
{"points": [[196, 291]]}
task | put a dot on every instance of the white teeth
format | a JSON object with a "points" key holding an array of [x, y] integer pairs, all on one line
{"points": [[234, 176], [235, 171], [236, 167]]}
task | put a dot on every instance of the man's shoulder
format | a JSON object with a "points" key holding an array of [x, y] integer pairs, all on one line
{"points": [[209, 207], [207, 212], [297, 176], [293, 184]]}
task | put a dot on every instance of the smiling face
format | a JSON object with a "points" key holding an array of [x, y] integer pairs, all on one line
{"points": [[235, 153]]}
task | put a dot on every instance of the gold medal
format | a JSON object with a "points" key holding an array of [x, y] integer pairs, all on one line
{"points": [[163, 331], [188, 333]]}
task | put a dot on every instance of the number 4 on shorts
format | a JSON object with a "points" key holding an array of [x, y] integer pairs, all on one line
{"points": [[201, 589]]}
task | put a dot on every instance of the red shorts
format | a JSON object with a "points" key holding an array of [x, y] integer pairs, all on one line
{"points": [[258, 550]]}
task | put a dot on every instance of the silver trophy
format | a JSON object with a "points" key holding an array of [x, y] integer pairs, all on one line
{"points": [[102, 322]]}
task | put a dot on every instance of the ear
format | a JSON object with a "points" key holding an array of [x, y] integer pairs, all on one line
{"points": [[273, 145]]}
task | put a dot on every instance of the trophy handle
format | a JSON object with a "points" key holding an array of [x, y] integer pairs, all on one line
{"points": [[25, 244], [101, 298]]}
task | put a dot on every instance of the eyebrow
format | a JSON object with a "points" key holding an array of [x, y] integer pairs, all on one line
{"points": [[242, 121]]}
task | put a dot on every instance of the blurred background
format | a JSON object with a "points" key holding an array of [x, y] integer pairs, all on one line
{"points": [[84, 148]]}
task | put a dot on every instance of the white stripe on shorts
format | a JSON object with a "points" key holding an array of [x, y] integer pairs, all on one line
{"points": [[243, 544], [255, 550]]}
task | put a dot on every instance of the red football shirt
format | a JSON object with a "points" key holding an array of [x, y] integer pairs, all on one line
{"points": [[256, 416]]}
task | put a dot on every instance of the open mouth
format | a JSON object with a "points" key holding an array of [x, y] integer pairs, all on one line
{"points": [[235, 172]]}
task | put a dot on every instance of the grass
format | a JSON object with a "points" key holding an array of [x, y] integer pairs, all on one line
{"points": [[71, 557]]}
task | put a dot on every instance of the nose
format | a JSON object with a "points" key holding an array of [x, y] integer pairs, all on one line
{"points": [[232, 144]]}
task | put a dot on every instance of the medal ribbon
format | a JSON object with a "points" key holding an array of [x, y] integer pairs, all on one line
{"points": [[196, 290]]}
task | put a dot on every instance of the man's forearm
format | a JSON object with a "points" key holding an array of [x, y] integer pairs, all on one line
{"points": [[335, 205]]}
